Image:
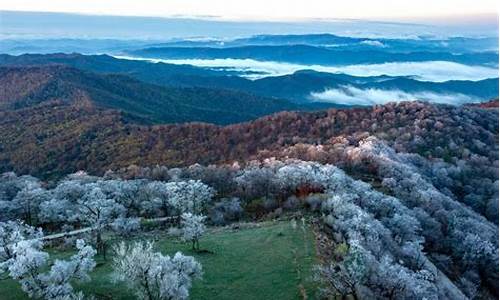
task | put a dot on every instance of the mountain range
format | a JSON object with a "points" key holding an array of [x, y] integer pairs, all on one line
{"points": [[115, 46], [306, 54], [422, 43], [296, 87], [30, 86], [60, 113], [55, 120]]}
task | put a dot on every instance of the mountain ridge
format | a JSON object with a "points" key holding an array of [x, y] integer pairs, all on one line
{"points": [[307, 54], [141, 101], [296, 87]]}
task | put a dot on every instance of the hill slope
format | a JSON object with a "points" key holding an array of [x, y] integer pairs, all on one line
{"points": [[51, 137], [24, 87]]}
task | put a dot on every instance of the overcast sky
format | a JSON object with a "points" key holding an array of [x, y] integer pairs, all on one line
{"points": [[269, 10]]}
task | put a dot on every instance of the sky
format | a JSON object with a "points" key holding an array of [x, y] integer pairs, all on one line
{"points": [[168, 19], [267, 10]]}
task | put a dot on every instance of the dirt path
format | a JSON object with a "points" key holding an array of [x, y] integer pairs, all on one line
{"points": [[89, 229]]}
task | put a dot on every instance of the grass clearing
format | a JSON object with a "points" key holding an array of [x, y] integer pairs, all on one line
{"points": [[270, 261]]}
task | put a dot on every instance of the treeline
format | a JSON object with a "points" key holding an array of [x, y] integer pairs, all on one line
{"points": [[53, 140]]}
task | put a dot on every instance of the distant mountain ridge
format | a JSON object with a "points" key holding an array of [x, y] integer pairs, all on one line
{"points": [[454, 44], [27, 87], [296, 87], [18, 46], [307, 54]]}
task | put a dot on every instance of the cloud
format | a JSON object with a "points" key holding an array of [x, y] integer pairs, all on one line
{"points": [[355, 96], [437, 71], [373, 43]]}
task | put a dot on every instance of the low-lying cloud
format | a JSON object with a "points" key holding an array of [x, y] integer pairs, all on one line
{"points": [[373, 43], [436, 71], [355, 96]]}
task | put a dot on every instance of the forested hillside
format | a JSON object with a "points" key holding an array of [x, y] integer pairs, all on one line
{"points": [[54, 138], [26, 87]]}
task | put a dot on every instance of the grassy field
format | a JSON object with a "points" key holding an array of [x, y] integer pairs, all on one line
{"points": [[272, 261]]}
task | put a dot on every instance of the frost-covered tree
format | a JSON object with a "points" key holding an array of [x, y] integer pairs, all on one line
{"points": [[178, 197], [28, 201], [226, 210], [448, 226], [192, 228], [20, 197], [129, 193], [292, 177], [381, 275], [255, 182], [189, 196], [346, 276], [98, 210], [158, 198], [126, 226], [29, 261], [71, 200], [11, 233], [395, 281], [63, 203], [152, 275], [221, 178], [22, 258]]}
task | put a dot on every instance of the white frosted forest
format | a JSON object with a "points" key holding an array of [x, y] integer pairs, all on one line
{"points": [[401, 239]]}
